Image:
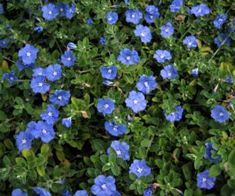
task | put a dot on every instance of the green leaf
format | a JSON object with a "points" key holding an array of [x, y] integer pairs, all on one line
{"points": [[215, 170]]}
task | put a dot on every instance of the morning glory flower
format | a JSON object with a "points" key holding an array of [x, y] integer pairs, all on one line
{"points": [[128, 57], [209, 151], [146, 84], [49, 11], [133, 16], [219, 20], [136, 101], [169, 72], [144, 33], [70, 11], [39, 71], [200, 10], [190, 41], [81, 193], [105, 106], [176, 5], [162, 56], [38, 29], [121, 149], [60, 97], [104, 186], [220, 114], [167, 30], [148, 191], [140, 168], [68, 58], [32, 125], [41, 191], [28, 54], [24, 140], [195, 72], [67, 122], [10, 77], [109, 72], [176, 115], [111, 17], [38, 85], [18, 192], [114, 128], [204, 181], [222, 39], [53, 72], [51, 115], [71, 46], [152, 12], [4, 43], [102, 40]]}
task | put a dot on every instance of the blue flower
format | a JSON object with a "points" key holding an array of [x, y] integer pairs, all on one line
{"points": [[219, 20], [49, 11], [176, 5], [38, 29], [190, 41], [144, 33], [133, 16], [146, 84], [66, 193], [109, 72], [220, 114], [167, 30], [229, 79], [81, 193], [121, 149], [31, 126], [209, 152], [222, 39], [111, 17], [204, 181], [162, 56], [176, 115], [18, 192], [136, 101], [128, 57], [44, 131], [41, 191], [24, 140], [104, 186], [71, 46], [21, 66], [1, 9], [39, 71], [148, 191], [60, 97], [105, 106], [4, 43], [200, 10], [51, 115], [115, 129], [89, 21], [38, 85], [10, 77], [53, 72], [67, 122], [70, 11], [152, 13], [28, 54], [102, 40], [140, 168], [68, 58], [169, 72], [195, 72]]}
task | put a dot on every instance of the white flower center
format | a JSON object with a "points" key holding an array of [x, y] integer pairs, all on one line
{"points": [[128, 58], [44, 131], [49, 114], [110, 71], [146, 84], [24, 141], [54, 73], [203, 179], [103, 186], [11, 78], [221, 114], [133, 16], [40, 84], [115, 128], [135, 101], [106, 106], [139, 170], [69, 59], [118, 152], [142, 34], [60, 97], [169, 74], [50, 12], [28, 54]]}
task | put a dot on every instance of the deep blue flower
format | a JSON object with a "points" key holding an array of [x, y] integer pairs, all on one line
{"points": [[140, 168], [109, 72], [162, 56], [148, 191], [204, 181], [89, 21], [32, 125], [133, 16], [21, 66], [53, 72], [102, 40], [104, 186], [18, 192], [114, 128], [144, 33], [28, 54], [70, 11], [38, 29], [39, 71], [68, 58], [152, 13], [62, 7], [209, 152], [4, 43], [169, 72], [146, 84], [67, 122], [66, 193], [195, 72], [190, 41], [71, 46], [81, 193], [121, 149], [60, 97], [1, 9], [10, 77], [38, 85], [128, 57], [105, 106], [222, 39], [24, 140], [51, 115], [49, 11], [44, 131], [167, 30], [229, 79], [220, 114], [41, 191], [136, 101], [219, 20], [176, 5], [176, 115], [111, 17], [200, 10]]}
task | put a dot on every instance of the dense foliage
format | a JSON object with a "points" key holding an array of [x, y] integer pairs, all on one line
{"points": [[108, 97]]}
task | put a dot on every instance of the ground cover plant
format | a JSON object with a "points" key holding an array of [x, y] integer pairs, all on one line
{"points": [[113, 98]]}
